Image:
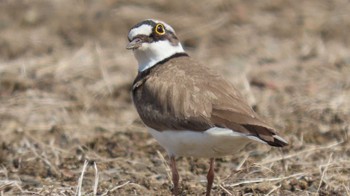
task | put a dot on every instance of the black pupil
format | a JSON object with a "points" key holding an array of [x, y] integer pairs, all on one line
{"points": [[160, 29]]}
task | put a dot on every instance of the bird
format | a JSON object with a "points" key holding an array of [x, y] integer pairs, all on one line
{"points": [[188, 108]]}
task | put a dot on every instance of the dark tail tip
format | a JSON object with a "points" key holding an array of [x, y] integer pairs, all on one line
{"points": [[277, 141]]}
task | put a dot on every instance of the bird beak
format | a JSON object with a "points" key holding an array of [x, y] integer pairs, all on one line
{"points": [[134, 44]]}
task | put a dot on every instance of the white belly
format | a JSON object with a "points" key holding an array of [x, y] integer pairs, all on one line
{"points": [[214, 142]]}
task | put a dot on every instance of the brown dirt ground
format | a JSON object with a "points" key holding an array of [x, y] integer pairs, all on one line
{"points": [[65, 78]]}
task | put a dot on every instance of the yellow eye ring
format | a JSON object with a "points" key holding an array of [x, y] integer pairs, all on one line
{"points": [[159, 29]]}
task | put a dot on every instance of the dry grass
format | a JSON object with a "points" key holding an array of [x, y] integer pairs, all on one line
{"points": [[67, 125]]}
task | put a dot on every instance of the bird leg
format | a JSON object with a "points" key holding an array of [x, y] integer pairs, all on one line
{"points": [[175, 175], [210, 177]]}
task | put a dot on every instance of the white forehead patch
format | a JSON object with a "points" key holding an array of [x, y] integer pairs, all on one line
{"points": [[144, 29]]}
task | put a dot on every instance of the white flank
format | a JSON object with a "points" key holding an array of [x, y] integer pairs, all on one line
{"points": [[150, 54], [214, 142]]}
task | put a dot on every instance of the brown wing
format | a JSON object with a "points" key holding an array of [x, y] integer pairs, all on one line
{"points": [[183, 95]]}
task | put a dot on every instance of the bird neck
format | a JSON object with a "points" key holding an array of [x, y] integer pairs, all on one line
{"points": [[152, 53]]}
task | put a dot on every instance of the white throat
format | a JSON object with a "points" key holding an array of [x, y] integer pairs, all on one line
{"points": [[150, 54]]}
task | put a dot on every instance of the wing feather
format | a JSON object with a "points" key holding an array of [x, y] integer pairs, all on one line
{"points": [[183, 95]]}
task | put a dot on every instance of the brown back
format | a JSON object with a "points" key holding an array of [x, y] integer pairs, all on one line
{"points": [[180, 94]]}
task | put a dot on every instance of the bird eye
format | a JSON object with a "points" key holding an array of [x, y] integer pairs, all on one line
{"points": [[160, 29]]}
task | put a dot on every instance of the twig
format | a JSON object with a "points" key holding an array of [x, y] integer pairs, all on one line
{"points": [[324, 172], [115, 188], [120, 186], [96, 179], [80, 181], [263, 180], [226, 191], [273, 190], [242, 162]]}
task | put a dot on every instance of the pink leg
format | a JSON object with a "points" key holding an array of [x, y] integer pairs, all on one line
{"points": [[210, 177], [175, 175]]}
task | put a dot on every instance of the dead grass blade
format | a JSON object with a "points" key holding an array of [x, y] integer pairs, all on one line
{"points": [[4, 184], [224, 189], [324, 172], [263, 180], [284, 157], [80, 181], [96, 179], [103, 69], [242, 162], [166, 166], [273, 190], [41, 157], [115, 188], [347, 190]]}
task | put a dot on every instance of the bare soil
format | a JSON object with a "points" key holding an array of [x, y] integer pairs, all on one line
{"points": [[65, 80]]}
